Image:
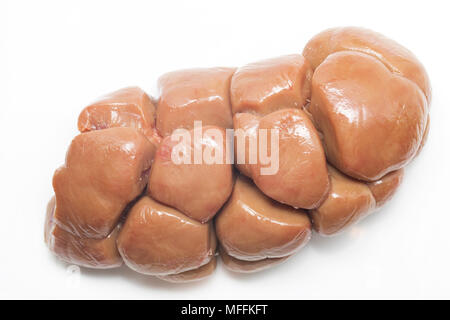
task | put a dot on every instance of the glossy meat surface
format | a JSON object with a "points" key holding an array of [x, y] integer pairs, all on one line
{"points": [[425, 137], [301, 180], [198, 274], [127, 107], [321, 140], [89, 253], [249, 124], [104, 171], [395, 57], [194, 94], [348, 202], [252, 226], [384, 189], [197, 190], [270, 85], [159, 240], [243, 266], [372, 120]]}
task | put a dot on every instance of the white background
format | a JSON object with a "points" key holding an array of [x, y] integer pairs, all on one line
{"points": [[57, 56]]}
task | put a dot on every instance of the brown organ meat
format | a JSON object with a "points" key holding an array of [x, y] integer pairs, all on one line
{"points": [[253, 227], [85, 252], [196, 274], [194, 95], [244, 266], [395, 57], [127, 107], [248, 123], [321, 140], [270, 85], [193, 275], [104, 171], [370, 100], [301, 180], [366, 134], [197, 190], [425, 137], [348, 202], [384, 189], [159, 240]]}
